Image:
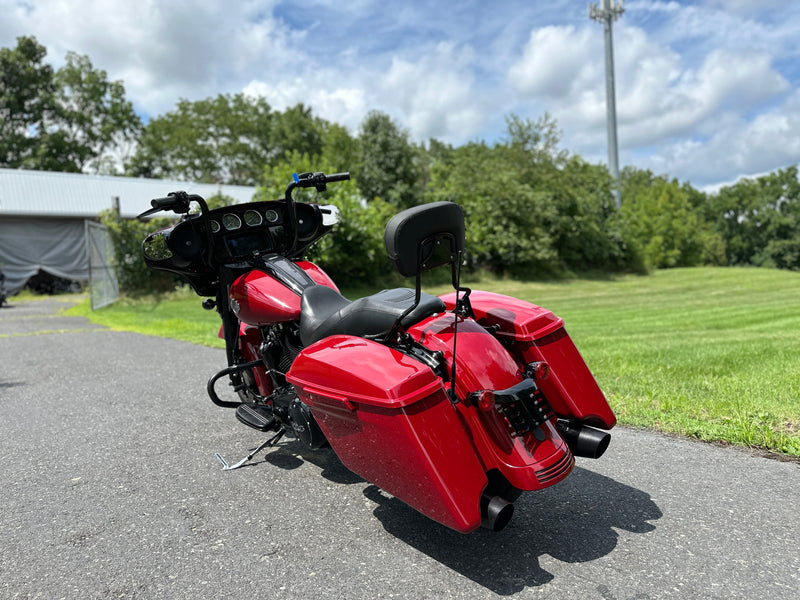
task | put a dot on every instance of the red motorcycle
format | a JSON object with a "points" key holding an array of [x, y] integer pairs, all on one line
{"points": [[453, 404]]}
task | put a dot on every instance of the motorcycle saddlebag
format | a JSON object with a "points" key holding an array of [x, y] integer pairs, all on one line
{"points": [[387, 417], [533, 333]]}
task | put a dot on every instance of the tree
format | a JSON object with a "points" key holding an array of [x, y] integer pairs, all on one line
{"points": [[296, 130], [27, 96], [389, 164], [536, 142], [92, 119], [507, 220], [227, 139], [587, 230], [759, 219], [69, 120], [339, 149], [661, 224]]}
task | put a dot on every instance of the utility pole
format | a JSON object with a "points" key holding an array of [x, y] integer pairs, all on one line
{"points": [[611, 10]]}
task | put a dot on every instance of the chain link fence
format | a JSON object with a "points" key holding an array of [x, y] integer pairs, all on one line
{"points": [[103, 285]]}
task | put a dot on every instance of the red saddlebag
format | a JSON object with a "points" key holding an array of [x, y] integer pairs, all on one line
{"points": [[388, 419], [534, 333]]}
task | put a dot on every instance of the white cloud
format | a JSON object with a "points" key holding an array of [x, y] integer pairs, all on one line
{"points": [[737, 148], [345, 106], [164, 50], [702, 87], [663, 105], [434, 95], [745, 5], [557, 62]]}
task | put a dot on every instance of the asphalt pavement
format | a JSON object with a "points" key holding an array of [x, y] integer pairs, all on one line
{"points": [[110, 489]]}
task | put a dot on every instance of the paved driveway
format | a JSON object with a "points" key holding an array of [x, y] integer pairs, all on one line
{"points": [[110, 489]]}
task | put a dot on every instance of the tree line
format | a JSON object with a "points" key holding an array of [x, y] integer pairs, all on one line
{"points": [[533, 209]]}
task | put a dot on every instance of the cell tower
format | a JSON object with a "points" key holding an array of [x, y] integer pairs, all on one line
{"points": [[611, 10]]}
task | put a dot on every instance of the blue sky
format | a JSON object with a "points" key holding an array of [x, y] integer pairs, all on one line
{"points": [[707, 91]]}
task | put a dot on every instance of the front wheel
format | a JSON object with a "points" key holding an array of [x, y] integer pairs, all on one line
{"points": [[245, 386]]}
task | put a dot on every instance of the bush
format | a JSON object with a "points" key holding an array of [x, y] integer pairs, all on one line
{"points": [[127, 235]]}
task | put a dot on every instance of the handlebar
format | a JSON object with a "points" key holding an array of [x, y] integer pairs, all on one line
{"points": [[177, 202], [307, 180], [338, 177], [317, 180]]}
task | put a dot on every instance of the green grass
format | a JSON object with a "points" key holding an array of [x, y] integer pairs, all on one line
{"points": [[712, 353], [178, 316]]}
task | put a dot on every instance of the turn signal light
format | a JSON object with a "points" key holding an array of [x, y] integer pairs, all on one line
{"points": [[537, 370], [484, 400]]}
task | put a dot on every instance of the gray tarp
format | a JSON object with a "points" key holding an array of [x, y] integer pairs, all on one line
{"points": [[57, 246]]}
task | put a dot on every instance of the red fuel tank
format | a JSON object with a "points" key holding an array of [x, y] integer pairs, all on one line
{"points": [[257, 298]]}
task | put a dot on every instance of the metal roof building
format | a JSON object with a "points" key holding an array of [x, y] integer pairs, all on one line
{"points": [[45, 217], [51, 194]]}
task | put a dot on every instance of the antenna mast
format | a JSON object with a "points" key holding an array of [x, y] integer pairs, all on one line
{"points": [[611, 10]]}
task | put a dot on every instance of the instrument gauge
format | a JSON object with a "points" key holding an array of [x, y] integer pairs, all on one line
{"points": [[230, 221], [214, 226], [272, 216], [252, 218]]}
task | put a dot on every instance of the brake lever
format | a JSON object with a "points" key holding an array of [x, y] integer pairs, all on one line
{"points": [[147, 213]]}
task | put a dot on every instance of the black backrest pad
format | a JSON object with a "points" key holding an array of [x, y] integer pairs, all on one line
{"points": [[409, 228]]}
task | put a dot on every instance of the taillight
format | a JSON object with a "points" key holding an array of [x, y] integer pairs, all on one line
{"points": [[484, 400], [537, 370]]}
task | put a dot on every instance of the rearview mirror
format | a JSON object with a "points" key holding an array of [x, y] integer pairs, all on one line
{"points": [[330, 214]]}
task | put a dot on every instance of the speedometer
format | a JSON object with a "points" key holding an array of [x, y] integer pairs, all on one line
{"points": [[231, 221], [252, 218]]}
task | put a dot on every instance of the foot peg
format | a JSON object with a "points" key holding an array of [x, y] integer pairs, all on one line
{"points": [[257, 417]]}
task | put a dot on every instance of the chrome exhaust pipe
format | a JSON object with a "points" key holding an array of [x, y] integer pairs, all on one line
{"points": [[496, 512], [584, 440]]}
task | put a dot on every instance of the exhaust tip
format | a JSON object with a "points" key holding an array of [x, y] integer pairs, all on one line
{"points": [[496, 513], [583, 440]]}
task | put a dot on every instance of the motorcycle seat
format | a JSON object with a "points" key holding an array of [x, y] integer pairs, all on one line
{"points": [[325, 312]]}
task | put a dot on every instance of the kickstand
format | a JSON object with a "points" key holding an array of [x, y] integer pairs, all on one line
{"points": [[270, 442]]}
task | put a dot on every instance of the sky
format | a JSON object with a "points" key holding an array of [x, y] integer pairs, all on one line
{"points": [[706, 91]]}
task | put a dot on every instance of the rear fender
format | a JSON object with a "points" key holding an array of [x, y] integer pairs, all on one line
{"points": [[532, 333], [531, 461]]}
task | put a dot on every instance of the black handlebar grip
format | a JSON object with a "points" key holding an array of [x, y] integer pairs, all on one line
{"points": [[161, 202], [338, 177], [177, 202]]}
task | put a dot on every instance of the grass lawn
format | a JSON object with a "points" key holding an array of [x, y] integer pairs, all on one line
{"points": [[712, 353], [178, 315]]}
